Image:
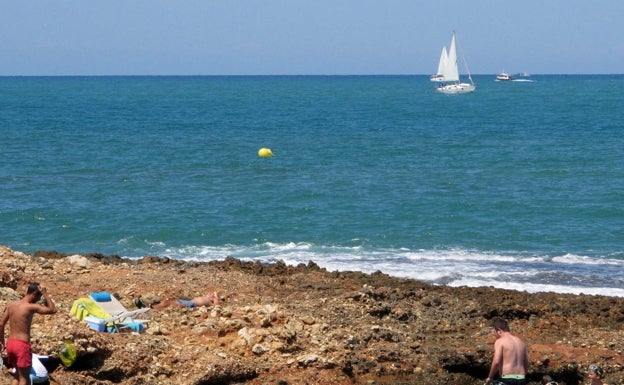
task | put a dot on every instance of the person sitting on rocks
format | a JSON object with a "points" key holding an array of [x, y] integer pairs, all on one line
{"points": [[594, 374], [206, 300]]}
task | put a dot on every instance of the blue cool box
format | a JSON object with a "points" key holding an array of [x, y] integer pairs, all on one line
{"points": [[96, 323]]}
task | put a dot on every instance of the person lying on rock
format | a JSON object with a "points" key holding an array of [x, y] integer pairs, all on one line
{"points": [[210, 299]]}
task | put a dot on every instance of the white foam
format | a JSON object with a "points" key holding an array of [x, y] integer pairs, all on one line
{"points": [[574, 259], [568, 273], [540, 288]]}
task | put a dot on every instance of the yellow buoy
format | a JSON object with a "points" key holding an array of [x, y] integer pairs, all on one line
{"points": [[265, 152]]}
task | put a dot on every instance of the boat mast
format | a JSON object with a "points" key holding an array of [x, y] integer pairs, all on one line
{"points": [[467, 69], [465, 62]]}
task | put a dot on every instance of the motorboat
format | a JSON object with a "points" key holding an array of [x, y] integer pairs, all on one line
{"points": [[503, 76]]}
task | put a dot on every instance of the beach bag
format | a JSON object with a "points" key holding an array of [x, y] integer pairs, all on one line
{"points": [[68, 353]]}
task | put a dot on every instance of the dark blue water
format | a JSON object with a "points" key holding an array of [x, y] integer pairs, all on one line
{"points": [[518, 185]]}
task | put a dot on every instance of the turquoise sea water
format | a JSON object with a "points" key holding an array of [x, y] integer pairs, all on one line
{"points": [[519, 185]]}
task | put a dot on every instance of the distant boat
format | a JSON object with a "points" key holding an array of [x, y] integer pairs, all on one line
{"points": [[447, 76], [503, 76]]}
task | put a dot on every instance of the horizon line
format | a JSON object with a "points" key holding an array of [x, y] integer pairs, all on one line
{"points": [[291, 75]]}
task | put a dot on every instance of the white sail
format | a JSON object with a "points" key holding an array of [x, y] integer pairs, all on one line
{"points": [[442, 63], [439, 75], [451, 71]]}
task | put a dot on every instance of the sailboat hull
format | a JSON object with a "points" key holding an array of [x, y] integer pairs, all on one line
{"points": [[458, 88]]}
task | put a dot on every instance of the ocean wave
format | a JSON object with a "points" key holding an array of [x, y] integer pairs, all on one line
{"points": [[566, 273], [537, 287]]}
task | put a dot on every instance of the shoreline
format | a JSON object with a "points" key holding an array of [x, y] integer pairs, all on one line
{"points": [[427, 270], [288, 324]]}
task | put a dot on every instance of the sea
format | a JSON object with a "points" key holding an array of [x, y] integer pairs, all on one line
{"points": [[519, 185]]}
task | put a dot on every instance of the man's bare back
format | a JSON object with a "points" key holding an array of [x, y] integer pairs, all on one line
{"points": [[514, 353], [510, 359], [207, 300]]}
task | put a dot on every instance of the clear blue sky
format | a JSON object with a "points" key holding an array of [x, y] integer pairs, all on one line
{"points": [[242, 37]]}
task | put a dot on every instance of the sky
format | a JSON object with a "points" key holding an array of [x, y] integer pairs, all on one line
{"points": [[307, 37]]}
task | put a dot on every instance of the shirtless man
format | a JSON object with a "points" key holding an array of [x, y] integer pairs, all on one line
{"points": [[206, 300], [19, 315], [510, 360]]}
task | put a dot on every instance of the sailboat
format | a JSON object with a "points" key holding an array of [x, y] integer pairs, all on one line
{"points": [[448, 72]]}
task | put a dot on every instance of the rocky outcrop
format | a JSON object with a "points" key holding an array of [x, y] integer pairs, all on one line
{"points": [[280, 324]]}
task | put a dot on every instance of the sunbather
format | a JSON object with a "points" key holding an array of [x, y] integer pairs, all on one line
{"points": [[206, 300]]}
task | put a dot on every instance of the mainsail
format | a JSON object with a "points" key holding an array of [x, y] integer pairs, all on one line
{"points": [[451, 71]]}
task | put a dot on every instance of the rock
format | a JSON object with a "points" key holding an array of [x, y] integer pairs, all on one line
{"points": [[9, 294], [297, 325], [79, 261], [259, 349], [307, 359]]}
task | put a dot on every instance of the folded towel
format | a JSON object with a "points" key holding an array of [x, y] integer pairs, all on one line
{"points": [[135, 326]]}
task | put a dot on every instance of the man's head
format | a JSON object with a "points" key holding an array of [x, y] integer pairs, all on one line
{"points": [[34, 290], [500, 326], [596, 370]]}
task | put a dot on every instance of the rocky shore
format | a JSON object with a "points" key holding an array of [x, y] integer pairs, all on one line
{"points": [[279, 324]]}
